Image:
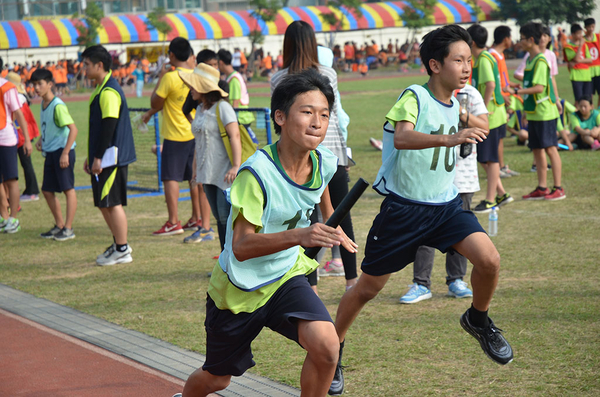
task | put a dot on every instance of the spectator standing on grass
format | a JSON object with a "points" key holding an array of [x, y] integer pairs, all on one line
{"points": [[300, 53], [110, 151], [214, 170], [578, 55], [486, 78], [10, 109], [542, 114], [178, 146], [466, 180], [422, 206], [58, 146], [32, 191], [592, 40]]}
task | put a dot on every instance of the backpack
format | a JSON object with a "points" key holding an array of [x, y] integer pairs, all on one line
{"points": [[248, 145]]}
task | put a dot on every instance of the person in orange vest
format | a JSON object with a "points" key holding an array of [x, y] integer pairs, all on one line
{"points": [[592, 40], [60, 78], [578, 55], [266, 65]]}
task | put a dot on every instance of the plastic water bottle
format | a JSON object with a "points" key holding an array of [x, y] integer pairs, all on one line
{"points": [[493, 225]]}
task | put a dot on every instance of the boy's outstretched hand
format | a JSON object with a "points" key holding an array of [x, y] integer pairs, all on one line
{"points": [[467, 135], [321, 235]]}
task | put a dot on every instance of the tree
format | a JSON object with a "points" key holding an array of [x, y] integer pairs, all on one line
{"points": [[337, 23], [549, 12], [418, 15], [475, 9], [88, 32], [156, 19], [266, 11]]}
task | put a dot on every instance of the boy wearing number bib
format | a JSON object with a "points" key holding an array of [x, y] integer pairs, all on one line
{"points": [[422, 206]]}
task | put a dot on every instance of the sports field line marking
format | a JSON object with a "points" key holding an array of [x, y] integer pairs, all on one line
{"points": [[95, 349]]}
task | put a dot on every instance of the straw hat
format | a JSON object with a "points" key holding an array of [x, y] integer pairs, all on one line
{"points": [[203, 79], [16, 80]]}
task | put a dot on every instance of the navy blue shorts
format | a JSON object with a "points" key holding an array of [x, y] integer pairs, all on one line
{"points": [[177, 160], [402, 226], [110, 190], [542, 134], [229, 336], [9, 163], [596, 85], [58, 179], [487, 151], [582, 88]]}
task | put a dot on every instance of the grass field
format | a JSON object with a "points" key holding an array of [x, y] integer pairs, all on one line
{"points": [[547, 301]]}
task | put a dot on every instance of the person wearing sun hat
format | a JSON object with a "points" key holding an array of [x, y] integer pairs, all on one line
{"points": [[32, 191], [213, 168]]}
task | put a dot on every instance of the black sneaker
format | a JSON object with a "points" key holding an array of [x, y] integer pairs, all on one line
{"points": [[64, 234], [484, 207], [504, 199], [491, 340], [51, 233], [337, 385]]}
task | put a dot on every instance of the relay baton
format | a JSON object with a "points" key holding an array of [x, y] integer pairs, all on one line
{"points": [[563, 146], [341, 211]]}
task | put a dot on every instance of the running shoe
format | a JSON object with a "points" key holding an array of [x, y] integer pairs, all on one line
{"points": [[169, 229], [596, 145], [64, 234], [200, 235], [3, 223], [51, 233], [337, 385], [556, 194], [459, 289], [490, 339], [509, 172], [484, 207], [12, 226], [191, 224], [376, 143], [29, 197], [504, 199], [331, 268], [110, 247], [416, 293], [538, 194], [504, 174], [112, 256]]}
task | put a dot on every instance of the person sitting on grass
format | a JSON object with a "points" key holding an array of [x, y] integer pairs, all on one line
{"points": [[58, 146], [260, 279], [422, 205], [585, 126]]}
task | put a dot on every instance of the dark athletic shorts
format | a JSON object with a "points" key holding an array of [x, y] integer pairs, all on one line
{"points": [[542, 134], [487, 151], [9, 163], [595, 85], [177, 160], [581, 144], [582, 88], [110, 189], [402, 226], [228, 335], [58, 179]]}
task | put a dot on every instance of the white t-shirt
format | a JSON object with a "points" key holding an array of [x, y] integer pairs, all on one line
{"points": [[466, 178], [8, 134], [550, 57], [212, 161], [236, 59]]}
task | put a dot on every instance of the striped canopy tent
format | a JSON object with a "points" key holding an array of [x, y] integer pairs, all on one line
{"points": [[217, 25]]}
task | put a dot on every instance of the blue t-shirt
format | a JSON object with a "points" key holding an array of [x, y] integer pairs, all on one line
{"points": [[138, 74]]}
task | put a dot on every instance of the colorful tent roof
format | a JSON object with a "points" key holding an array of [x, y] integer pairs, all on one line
{"points": [[216, 25]]}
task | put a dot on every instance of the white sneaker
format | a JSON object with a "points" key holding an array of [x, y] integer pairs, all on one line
{"points": [[12, 226], [113, 257], [106, 251], [331, 268]]}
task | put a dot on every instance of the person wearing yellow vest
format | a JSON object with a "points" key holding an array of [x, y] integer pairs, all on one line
{"points": [[10, 109], [178, 145], [592, 40], [486, 78], [578, 55], [238, 93]]}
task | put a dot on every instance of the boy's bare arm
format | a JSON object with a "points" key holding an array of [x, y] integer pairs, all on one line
{"points": [[327, 210], [247, 243], [405, 137], [27, 148], [64, 157]]}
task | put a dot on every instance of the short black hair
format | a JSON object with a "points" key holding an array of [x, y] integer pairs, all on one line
{"points": [[292, 85], [436, 44], [181, 48], [1, 63], [532, 29], [41, 74], [586, 98], [500, 33], [206, 55], [223, 85], [224, 56], [96, 54], [589, 21], [575, 28], [479, 34]]}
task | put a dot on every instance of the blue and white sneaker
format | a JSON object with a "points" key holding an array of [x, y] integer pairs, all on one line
{"points": [[200, 235], [416, 293], [459, 289]]}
